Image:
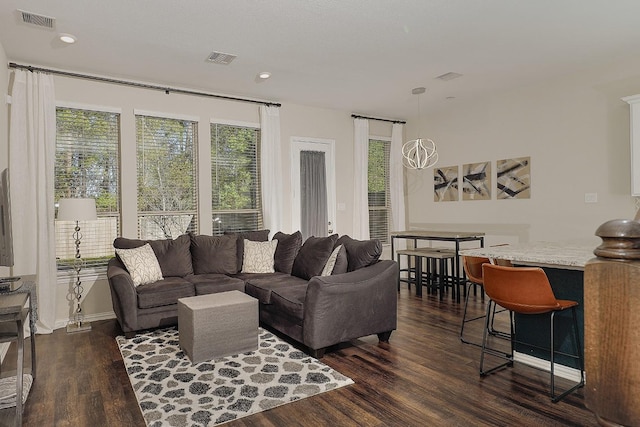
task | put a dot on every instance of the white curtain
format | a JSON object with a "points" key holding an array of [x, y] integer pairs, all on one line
{"points": [[32, 144], [396, 186], [360, 179], [271, 168]]}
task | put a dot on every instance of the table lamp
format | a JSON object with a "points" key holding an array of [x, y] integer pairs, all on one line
{"points": [[77, 210]]}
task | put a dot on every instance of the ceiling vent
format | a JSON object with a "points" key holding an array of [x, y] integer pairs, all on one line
{"points": [[221, 58], [38, 20], [449, 76]]}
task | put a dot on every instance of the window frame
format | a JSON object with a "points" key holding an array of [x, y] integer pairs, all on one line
{"points": [[99, 268], [258, 210], [195, 211], [387, 192]]}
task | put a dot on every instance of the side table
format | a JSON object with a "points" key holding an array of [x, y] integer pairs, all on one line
{"points": [[13, 315]]}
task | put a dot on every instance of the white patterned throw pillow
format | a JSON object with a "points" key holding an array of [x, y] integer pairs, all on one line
{"points": [[258, 256], [331, 262], [142, 264]]}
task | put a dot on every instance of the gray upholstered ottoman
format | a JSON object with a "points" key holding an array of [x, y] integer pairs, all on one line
{"points": [[217, 325]]}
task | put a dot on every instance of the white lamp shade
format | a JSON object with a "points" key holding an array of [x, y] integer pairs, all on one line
{"points": [[77, 210]]}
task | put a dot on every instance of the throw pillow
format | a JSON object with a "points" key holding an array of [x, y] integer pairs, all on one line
{"points": [[342, 263], [141, 263], [254, 236], [258, 256], [288, 247], [173, 255], [214, 254], [313, 256], [361, 253], [331, 262]]}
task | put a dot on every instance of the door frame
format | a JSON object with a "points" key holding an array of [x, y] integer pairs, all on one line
{"points": [[326, 146]]}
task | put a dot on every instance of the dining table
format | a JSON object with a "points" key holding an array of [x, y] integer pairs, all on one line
{"points": [[456, 237]]}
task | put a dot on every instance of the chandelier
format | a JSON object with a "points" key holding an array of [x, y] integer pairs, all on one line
{"points": [[419, 153]]}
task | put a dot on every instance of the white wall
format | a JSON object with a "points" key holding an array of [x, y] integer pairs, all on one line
{"points": [[296, 120], [576, 131]]}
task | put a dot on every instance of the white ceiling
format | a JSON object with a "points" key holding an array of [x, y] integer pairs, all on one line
{"points": [[363, 56]]}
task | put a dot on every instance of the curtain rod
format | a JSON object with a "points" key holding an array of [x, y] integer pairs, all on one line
{"points": [[166, 90], [357, 116]]}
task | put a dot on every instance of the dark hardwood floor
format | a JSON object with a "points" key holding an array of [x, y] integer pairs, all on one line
{"points": [[424, 377]]}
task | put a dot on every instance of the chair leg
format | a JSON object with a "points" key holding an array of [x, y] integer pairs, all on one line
{"points": [[576, 334], [485, 349], [464, 316], [492, 331]]}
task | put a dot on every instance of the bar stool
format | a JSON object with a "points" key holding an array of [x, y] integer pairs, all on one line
{"points": [[414, 274], [436, 265], [473, 271], [527, 291], [439, 264]]}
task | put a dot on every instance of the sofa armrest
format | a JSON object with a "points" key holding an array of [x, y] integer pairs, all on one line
{"points": [[351, 305], [123, 295]]}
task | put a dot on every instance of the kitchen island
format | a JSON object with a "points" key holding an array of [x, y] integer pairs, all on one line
{"points": [[564, 263]]}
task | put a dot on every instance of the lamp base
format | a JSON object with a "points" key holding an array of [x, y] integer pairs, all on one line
{"points": [[74, 327]]}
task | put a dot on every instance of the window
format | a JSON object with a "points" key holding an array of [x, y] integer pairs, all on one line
{"points": [[86, 165], [167, 177], [235, 178], [378, 188]]}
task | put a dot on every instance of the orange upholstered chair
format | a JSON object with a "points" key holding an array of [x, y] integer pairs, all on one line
{"points": [[473, 270], [526, 290]]}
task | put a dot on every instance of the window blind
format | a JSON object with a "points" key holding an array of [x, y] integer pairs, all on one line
{"points": [[167, 177], [87, 165], [235, 178], [378, 190]]}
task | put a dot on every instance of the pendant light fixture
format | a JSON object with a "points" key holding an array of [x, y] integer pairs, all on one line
{"points": [[419, 153]]}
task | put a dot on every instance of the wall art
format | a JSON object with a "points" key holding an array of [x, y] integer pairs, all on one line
{"points": [[445, 184], [514, 178], [476, 181]]}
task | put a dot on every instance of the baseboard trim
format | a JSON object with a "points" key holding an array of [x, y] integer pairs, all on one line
{"points": [[62, 323], [562, 371]]}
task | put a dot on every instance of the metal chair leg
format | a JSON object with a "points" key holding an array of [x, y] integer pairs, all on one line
{"points": [[578, 349], [485, 349]]}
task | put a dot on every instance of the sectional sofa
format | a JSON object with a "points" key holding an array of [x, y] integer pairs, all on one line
{"points": [[323, 292]]}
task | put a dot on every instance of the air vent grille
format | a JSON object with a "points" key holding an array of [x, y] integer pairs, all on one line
{"points": [[221, 58], [35, 19], [449, 76]]}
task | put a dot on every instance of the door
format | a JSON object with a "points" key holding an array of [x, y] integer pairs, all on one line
{"points": [[312, 213]]}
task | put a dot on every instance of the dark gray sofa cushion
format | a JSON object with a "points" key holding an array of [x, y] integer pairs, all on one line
{"points": [[286, 251], [164, 292], [214, 283], [173, 256], [290, 301], [262, 288], [360, 253], [312, 257], [254, 236], [214, 254]]}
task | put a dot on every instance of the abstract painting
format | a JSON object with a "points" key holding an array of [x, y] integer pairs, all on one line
{"points": [[514, 178], [476, 181], [445, 184]]}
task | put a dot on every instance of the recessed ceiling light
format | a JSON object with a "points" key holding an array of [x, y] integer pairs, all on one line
{"points": [[264, 75], [67, 38]]}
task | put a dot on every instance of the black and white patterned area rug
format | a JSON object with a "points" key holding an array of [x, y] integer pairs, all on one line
{"points": [[173, 392]]}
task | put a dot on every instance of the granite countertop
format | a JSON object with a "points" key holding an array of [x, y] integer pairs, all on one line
{"points": [[555, 254]]}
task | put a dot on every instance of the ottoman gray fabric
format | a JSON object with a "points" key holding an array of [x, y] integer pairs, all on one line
{"points": [[217, 325]]}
